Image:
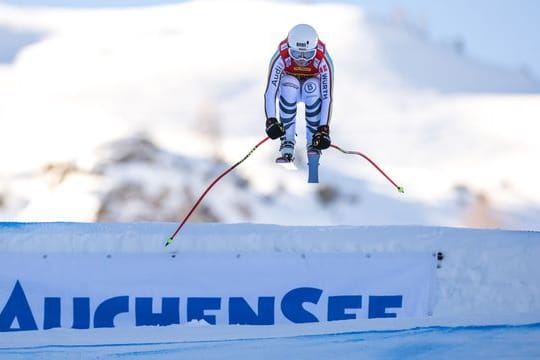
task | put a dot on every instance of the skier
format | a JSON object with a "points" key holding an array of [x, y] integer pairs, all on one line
{"points": [[301, 70]]}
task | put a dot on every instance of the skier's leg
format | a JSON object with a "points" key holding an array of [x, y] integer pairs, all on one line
{"points": [[288, 97], [311, 96]]}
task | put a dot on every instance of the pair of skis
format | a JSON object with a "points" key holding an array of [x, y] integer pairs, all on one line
{"points": [[313, 177]]}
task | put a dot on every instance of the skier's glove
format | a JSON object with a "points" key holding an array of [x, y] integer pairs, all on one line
{"points": [[274, 129], [321, 139]]}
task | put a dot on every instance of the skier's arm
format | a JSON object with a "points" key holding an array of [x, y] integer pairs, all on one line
{"points": [[326, 71], [274, 77]]}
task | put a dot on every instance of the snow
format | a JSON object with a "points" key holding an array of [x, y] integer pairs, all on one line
{"points": [[125, 115], [487, 285], [418, 343], [456, 133]]}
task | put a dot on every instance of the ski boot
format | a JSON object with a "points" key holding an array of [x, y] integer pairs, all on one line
{"points": [[287, 154]]}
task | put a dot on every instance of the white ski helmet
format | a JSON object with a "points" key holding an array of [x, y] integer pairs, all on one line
{"points": [[302, 41]]}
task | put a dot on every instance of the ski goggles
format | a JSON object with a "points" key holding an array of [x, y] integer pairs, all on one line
{"points": [[302, 54]]}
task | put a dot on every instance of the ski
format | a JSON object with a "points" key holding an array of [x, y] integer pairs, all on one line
{"points": [[286, 161], [313, 167], [286, 164]]}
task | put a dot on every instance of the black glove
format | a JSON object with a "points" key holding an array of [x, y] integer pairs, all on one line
{"points": [[321, 139], [274, 129]]}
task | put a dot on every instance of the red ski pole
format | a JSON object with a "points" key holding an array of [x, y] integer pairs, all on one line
{"points": [[170, 239], [399, 188]]}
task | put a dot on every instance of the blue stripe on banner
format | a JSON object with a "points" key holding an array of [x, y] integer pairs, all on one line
{"points": [[513, 341]]}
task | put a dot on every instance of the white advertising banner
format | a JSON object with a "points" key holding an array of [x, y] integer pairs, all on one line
{"points": [[85, 291]]}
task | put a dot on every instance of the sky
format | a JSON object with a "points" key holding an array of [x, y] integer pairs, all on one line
{"points": [[503, 32]]}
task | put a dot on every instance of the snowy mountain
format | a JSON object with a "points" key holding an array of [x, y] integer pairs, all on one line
{"points": [[81, 85]]}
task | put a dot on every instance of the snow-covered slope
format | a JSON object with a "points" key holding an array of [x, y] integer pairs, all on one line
{"points": [[457, 134], [489, 274], [409, 54]]}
